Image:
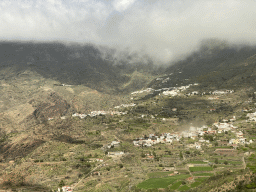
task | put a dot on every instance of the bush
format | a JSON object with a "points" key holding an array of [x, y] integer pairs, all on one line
{"points": [[38, 160], [181, 156], [61, 184]]}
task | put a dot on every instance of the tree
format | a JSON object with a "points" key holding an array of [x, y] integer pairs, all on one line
{"points": [[181, 156], [225, 162], [143, 155], [216, 161]]}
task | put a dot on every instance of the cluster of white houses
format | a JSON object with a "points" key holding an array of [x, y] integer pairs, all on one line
{"points": [[125, 105], [147, 90], [93, 114], [153, 139], [173, 91], [195, 133], [251, 116], [112, 145], [65, 189], [176, 91]]}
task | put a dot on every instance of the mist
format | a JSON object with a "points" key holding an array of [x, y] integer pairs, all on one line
{"points": [[161, 30]]}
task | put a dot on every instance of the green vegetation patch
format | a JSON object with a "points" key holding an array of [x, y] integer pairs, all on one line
{"points": [[184, 188], [201, 179], [252, 163], [176, 185], [231, 162], [197, 162], [203, 174], [195, 184], [154, 183], [159, 174], [195, 169]]}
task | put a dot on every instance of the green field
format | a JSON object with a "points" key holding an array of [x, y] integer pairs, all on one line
{"points": [[203, 174], [198, 181], [195, 184], [252, 163], [195, 169], [231, 162], [253, 137], [197, 162], [184, 188], [159, 174], [201, 179], [154, 183], [176, 185]]}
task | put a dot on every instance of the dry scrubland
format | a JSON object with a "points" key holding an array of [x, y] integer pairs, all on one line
{"points": [[42, 155]]}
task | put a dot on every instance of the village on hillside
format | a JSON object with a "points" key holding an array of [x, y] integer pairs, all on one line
{"points": [[193, 153]]}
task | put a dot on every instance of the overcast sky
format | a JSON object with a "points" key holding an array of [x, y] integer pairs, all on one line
{"points": [[162, 28]]}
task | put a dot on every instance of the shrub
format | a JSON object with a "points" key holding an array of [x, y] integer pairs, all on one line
{"points": [[62, 183]]}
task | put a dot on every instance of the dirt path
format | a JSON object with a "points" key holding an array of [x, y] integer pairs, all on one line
{"points": [[244, 164], [190, 172]]}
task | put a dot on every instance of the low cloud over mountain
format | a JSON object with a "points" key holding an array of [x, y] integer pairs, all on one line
{"points": [[161, 29]]}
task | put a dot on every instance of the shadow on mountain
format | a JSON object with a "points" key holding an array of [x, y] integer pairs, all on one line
{"points": [[218, 67], [68, 139], [23, 186], [12, 151], [73, 64]]}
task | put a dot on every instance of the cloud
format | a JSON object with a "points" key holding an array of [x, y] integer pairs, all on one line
{"points": [[162, 29], [122, 5]]}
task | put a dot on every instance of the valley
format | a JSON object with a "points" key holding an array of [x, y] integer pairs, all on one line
{"points": [[140, 130]]}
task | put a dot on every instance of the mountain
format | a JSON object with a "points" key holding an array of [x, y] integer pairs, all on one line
{"points": [[79, 116], [70, 64], [216, 64]]}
